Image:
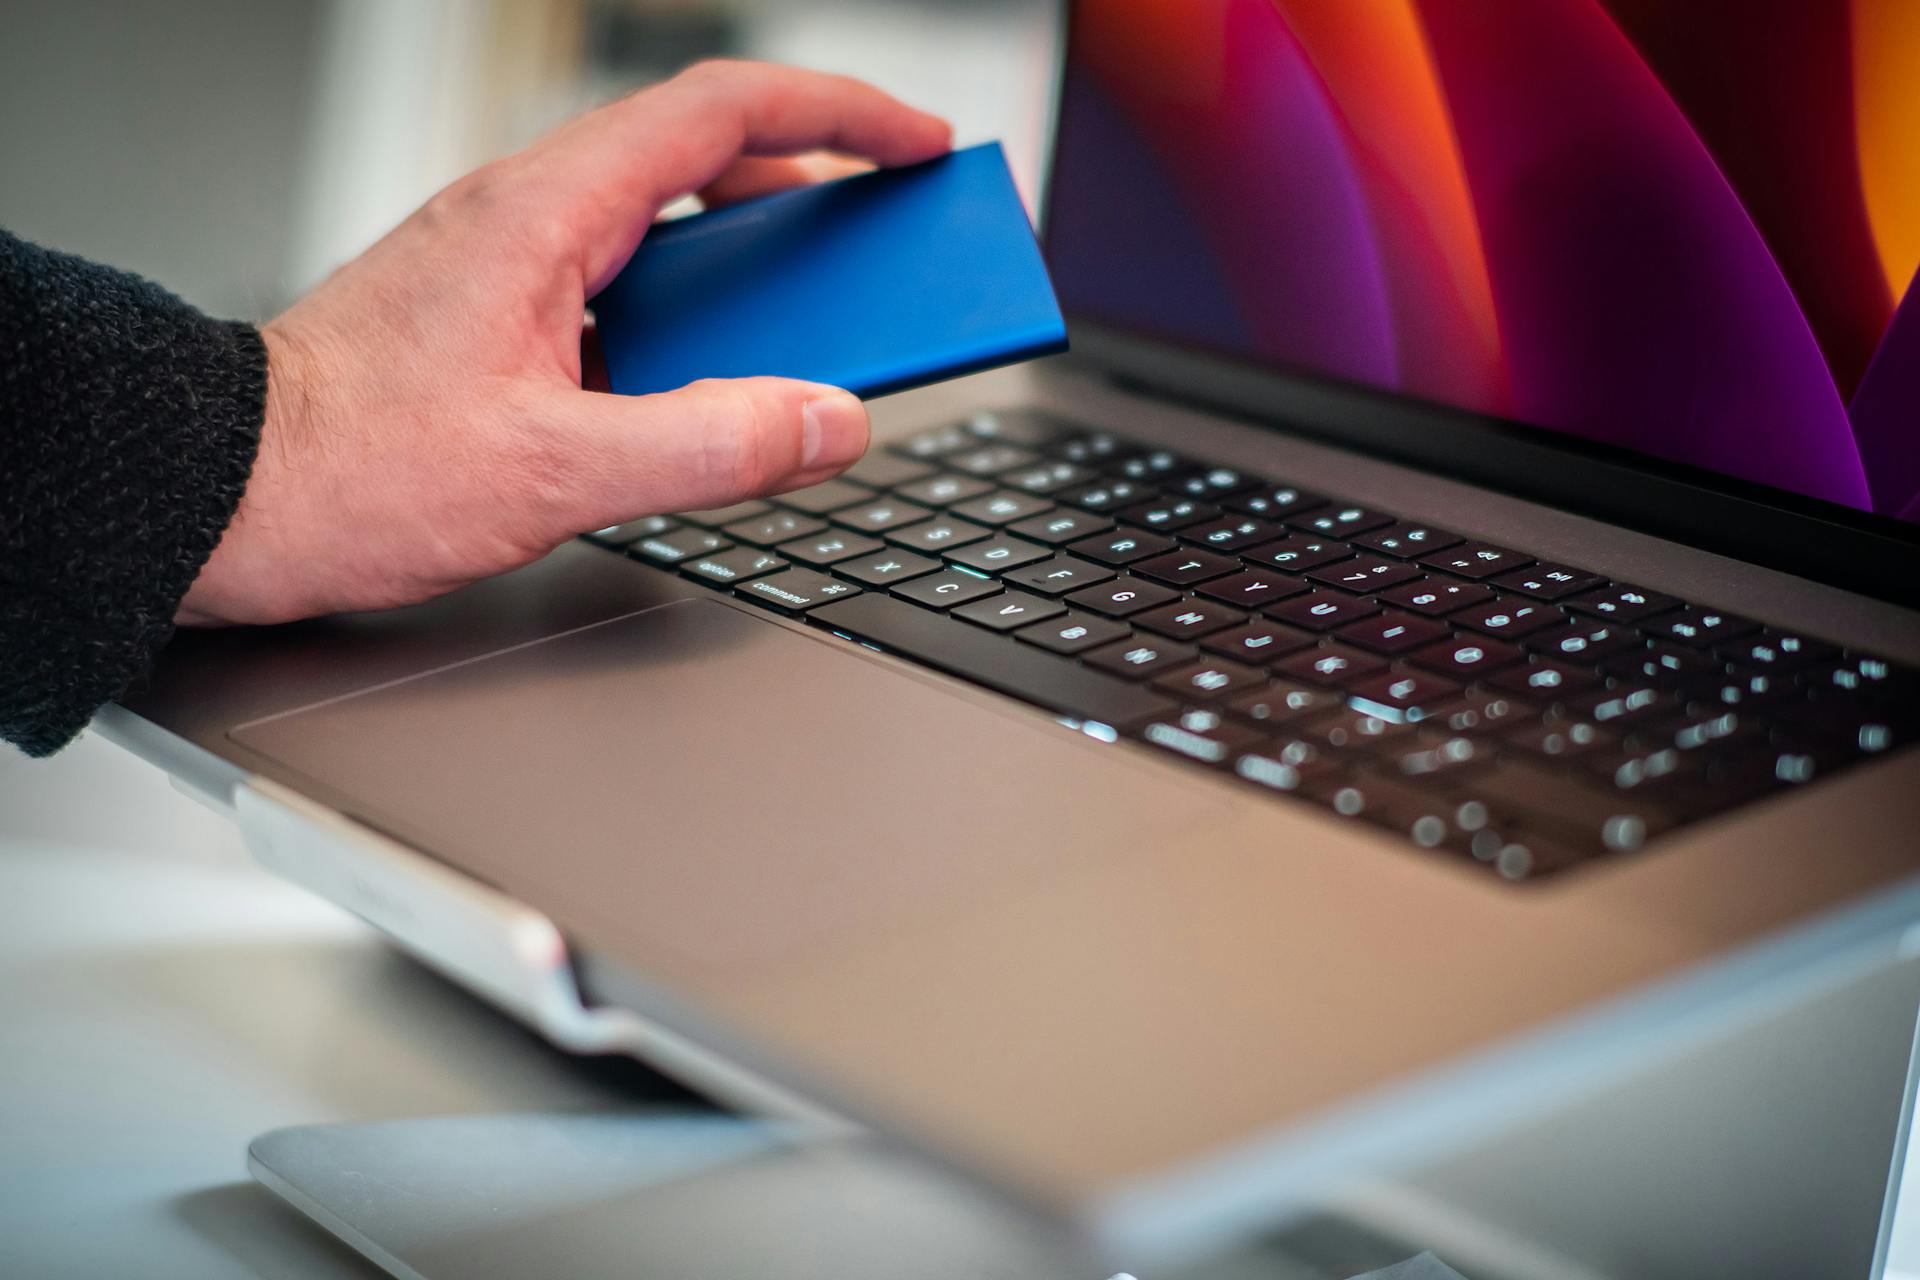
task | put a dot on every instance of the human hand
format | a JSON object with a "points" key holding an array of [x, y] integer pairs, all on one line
{"points": [[426, 425]]}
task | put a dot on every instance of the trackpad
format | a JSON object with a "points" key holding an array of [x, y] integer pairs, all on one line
{"points": [[708, 789]]}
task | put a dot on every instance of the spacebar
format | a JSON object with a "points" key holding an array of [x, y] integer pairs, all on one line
{"points": [[995, 661]]}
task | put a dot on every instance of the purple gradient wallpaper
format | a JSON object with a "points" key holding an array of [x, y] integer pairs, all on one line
{"points": [[1690, 230]]}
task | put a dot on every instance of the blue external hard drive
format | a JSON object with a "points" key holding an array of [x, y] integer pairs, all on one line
{"points": [[878, 282]]}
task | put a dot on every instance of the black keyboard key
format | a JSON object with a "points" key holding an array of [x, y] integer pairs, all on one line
{"points": [[1274, 768], [1074, 632], [1251, 588], [1323, 610], [831, 547], [1030, 427], [1335, 665], [1544, 678], [620, 535], [1622, 604], [938, 442], [947, 588], [1778, 650], [1061, 525], [1208, 482], [1466, 659], [1406, 540], [1058, 576], [1747, 688], [1393, 632], [937, 535], [1350, 730], [1231, 534], [1299, 552], [1509, 616], [884, 568], [1002, 506], [1339, 521], [1142, 657], [796, 590], [1033, 675], [1584, 640], [880, 515], [1009, 611], [1209, 680], [720, 517], [1364, 574], [1110, 495], [1704, 627], [1199, 736], [1189, 619], [737, 565], [1184, 568], [1283, 703], [1437, 597], [1548, 581], [990, 459], [944, 489], [1621, 704], [1150, 465], [1415, 813], [1122, 596], [680, 544], [886, 471], [1475, 560], [1663, 663], [1047, 477], [1412, 696], [1168, 514], [773, 528], [1566, 806], [1089, 449], [997, 555], [1857, 673], [1478, 713], [819, 499], [1258, 641], [1559, 739], [1276, 502], [1122, 546]]}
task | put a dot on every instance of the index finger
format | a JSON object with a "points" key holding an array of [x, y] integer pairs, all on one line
{"points": [[612, 169]]}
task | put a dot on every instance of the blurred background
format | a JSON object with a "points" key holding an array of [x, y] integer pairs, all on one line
{"points": [[238, 150]]}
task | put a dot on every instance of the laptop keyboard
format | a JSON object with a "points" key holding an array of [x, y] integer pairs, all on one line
{"points": [[1517, 713]]}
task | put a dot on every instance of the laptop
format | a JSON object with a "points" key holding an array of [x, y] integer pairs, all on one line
{"points": [[1447, 631]]}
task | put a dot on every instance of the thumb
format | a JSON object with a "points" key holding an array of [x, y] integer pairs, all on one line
{"points": [[713, 443]]}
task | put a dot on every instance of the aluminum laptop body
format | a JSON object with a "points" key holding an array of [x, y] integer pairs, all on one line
{"points": [[1144, 993]]}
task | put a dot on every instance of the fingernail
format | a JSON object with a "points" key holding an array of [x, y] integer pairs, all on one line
{"points": [[833, 430]]}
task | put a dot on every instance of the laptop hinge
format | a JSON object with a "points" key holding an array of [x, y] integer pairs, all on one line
{"points": [[501, 949]]}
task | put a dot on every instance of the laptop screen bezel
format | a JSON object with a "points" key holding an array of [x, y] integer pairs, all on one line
{"points": [[1875, 555]]}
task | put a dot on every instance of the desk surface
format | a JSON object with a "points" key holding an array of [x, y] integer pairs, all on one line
{"points": [[162, 1000]]}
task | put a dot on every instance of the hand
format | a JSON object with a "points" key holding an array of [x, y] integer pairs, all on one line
{"points": [[426, 424]]}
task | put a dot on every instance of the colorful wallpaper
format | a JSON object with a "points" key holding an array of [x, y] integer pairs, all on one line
{"points": [[1690, 229]]}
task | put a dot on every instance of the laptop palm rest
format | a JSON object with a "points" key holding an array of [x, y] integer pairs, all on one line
{"points": [[711, 792]]}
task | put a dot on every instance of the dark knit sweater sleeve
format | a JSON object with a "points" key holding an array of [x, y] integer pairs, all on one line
{"points": [[128, 426]]}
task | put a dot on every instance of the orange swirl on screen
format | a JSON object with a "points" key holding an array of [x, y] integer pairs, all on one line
{"points": [[1886, 69], [1377, 68]]}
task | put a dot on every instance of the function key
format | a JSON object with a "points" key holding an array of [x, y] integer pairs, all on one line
{"points": [[830, 547], [1251, 588], [1299, 552], [678, 545], [1047, 477], [991, 460], [944, 489], [1438, 597], [737, 565], [1508, 617], [1122, 596], [1182, 568], [796, 590], [947, 588], [1549, 581], [1029, 427], [937, 443], [1208, 680], [1406, 540], [1333, 664], [818, 499], [1323, 610], [880, 470], [1111, 496], [998, 554], [1273, 502], [1058, 576], [1061, 525], [940, 534], [1699, 626], [1002, 506], [1169, 513], [1148, 466], [1475, 560], [718, 517], [1624, 604], [1393, 632], [1008, 611], [773, 528], [1074, 632], [1232, 534], [880, 516], [1365, 574], [1258, 641], [1141, 657], [884, 568], [1188, 619], [1340, 521], [1466, 658], [1208, 482], [1123, 546]]}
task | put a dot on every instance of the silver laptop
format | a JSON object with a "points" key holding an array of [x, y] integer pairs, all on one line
{"points": [[1447, 630]]}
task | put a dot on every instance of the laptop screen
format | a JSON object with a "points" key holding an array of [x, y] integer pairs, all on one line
{"points": [[1686, 230]]}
